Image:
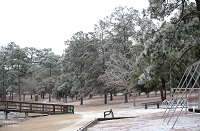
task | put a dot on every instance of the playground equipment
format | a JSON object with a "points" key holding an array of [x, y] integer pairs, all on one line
{"points": [[187, 87]]}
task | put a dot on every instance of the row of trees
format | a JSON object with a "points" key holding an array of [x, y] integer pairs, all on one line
{"points": [[127, 52], [27, 70]]}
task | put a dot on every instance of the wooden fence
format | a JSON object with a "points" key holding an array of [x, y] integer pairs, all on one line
{"points": [[28, 107]]}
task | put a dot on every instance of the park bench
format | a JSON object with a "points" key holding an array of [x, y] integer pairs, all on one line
{"points": [[151, 103], [106, 113]]}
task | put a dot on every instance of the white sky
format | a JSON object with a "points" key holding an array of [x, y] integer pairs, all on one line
{"points": [[48, 23]]}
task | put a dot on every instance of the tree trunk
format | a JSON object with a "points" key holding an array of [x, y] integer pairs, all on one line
{"points": [[19, 87], [3, 89], [147, 94], [19, 92], [163, 87], [115, 93], [49, 96], [111, 96], [134, 99], [162, 95], [81, 103], [31, 96], [12, 95], [23, 97], [156, 93], [105, 98], [90, 96], [66, 98], [126, 98], [198, 8]]}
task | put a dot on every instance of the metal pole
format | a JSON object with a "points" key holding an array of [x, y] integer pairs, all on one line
{"points": [[186, 103], [170, 83], [199, 99]]}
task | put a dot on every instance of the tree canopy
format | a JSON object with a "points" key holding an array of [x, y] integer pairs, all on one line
{"points": [[128, 51]]}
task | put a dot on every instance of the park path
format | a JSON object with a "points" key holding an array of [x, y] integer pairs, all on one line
{"points": [[85, 118]]}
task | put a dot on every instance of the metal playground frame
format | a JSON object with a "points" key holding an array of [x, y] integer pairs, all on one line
{"points": [[189, 83]]}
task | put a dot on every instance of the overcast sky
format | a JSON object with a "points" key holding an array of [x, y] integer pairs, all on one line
{"points": [[48, 23]]}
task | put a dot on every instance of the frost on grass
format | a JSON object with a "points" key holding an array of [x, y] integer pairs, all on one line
{"points": [[149, 120]]}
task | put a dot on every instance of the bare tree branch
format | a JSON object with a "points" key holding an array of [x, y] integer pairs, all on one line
{"points": [[175, 62]]}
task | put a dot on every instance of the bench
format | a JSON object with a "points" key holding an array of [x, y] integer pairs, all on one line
{"points": [[151, 103], [106, 113]]}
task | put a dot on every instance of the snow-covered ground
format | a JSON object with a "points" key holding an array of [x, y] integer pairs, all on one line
{"points": [[148, 120], [137, 124], [145, 119]]}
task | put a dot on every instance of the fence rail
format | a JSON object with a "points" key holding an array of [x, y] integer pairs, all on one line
{"points": [[28, 107]]}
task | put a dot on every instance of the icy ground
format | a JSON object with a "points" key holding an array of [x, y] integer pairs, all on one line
{"points": [[148, 120]]}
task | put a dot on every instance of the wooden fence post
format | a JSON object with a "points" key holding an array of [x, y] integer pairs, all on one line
{"points": [[54, 109]]}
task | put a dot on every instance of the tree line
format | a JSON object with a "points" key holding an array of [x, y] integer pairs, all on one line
{"points": [[128, 52]]}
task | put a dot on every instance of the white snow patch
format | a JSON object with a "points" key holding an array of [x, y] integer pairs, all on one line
{"points": [[148, 120]]}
